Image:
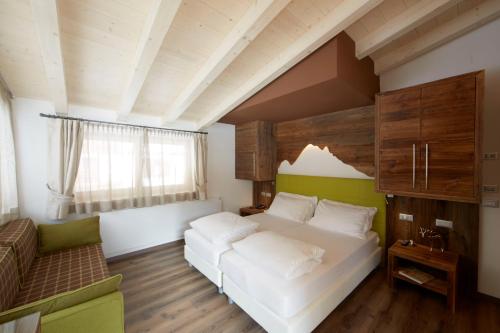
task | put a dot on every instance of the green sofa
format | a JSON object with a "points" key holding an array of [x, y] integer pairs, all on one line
{"points": [[71, 288]]}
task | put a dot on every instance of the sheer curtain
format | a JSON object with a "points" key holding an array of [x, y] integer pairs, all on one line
{"points": [[123, 167], [65, 147], [8, 184]]}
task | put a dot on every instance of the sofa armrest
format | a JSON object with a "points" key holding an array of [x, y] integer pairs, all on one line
{"points": [[64, 300], [100, 315]]}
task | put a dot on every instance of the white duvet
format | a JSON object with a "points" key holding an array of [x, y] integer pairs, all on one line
{"points": [[286, 257], [224, 228]]}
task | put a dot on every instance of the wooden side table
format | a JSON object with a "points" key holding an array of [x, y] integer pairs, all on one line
{"points": [[245, 211], [401, 256], [26, 324]]}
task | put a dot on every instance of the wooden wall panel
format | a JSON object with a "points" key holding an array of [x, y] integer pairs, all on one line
{"points": [[349, 135], [463, 239], [266, 187]]}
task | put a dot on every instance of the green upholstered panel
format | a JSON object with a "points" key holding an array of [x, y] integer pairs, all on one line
{"points": [[99, 315], [353, 191], [64, 300]]}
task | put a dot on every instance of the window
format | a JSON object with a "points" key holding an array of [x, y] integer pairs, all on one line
{"points": [[123, 167], [8, 185]]}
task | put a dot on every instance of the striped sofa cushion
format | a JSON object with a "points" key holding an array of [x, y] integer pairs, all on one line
{"points": [[62, 271], [21, 235], [9, 278]]}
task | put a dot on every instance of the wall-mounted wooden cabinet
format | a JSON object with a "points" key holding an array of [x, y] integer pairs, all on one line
{"points": [[255, 151], [427, 140]]}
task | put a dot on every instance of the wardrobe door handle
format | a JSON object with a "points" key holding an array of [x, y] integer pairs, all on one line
{"points": [[426, 166], [413, 166]]}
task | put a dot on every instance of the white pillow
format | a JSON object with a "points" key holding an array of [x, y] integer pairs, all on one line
{"points": [[343, 218], [295, 207], [224, 228], [289, 258]]}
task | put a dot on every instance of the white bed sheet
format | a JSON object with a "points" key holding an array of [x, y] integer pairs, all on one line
{"points": [[273, 223], [287, 298], [211, 252]]}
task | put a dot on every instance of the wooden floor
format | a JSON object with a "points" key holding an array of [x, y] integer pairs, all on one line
{"points": [[163, 294]]}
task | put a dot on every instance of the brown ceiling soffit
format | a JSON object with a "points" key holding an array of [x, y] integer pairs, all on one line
{"points": [[330, 79]]}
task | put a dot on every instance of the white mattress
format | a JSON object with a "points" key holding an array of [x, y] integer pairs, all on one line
{"points": [[287, 298], [202, 247], [211, 252]]}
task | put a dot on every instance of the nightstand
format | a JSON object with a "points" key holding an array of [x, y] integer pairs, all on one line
{"points": [[26, 324], [245, 211], [441, 265]]}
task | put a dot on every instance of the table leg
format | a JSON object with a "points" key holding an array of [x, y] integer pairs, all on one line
{"points": [[452, 290], [390, 267]]}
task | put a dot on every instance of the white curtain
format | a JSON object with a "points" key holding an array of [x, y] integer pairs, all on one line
{"points": [[201, 149], [123, 167], [65, 147], [8, 184]]}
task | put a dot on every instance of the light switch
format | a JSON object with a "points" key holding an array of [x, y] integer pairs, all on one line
{"points": [[490, 156], [406, 217], [490, 188], [444, 223], [492, 203]]}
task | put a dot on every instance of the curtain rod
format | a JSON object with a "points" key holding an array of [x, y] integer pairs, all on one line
{"points": [[120, 124]]}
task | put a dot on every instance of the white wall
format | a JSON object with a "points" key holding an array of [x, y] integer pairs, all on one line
{"points": [[479, 49], [221, 158], [133, 229]]}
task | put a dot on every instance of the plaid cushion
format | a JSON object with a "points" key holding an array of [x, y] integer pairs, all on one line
{"points": [[9, 278], [22, 237], [62, 271]]}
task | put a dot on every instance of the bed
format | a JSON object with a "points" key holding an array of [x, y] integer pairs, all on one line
{"points": [[300, 305], [205, 256]]}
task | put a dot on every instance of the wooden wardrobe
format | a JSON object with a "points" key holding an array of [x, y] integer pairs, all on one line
{"points": [[427, 139]]}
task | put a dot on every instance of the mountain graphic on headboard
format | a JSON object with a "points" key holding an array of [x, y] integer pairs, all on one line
{"points": [[314, 161]]}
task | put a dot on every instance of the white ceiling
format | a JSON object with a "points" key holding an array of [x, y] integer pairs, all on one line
{"points": [[195, 60]]}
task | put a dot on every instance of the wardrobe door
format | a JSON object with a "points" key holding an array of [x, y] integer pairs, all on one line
{"points": [[397, 124], [255, 151], [246, 151], [448, 160]]}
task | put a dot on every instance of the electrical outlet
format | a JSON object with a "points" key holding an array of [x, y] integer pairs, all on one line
{"points": [[490, 188], [405, 217], [490, 156], [492, 203], [444, 223]]}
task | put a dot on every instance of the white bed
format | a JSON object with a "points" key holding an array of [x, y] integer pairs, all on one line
{"points": [[299, 305], [287, 297], [205, 256]]}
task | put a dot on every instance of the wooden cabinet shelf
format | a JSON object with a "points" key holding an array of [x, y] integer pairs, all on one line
{"points": [[437, 285], [246, 211], [446, 263], [427, 139]]}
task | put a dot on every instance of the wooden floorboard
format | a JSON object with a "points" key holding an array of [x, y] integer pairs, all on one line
{"points": [[163, 294]]}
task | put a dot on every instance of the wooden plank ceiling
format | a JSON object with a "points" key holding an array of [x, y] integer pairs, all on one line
{"points": [[196, 60]]}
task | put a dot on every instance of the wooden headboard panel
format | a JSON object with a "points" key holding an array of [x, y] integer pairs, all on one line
{"points": [[354, 191], [348, 134]]}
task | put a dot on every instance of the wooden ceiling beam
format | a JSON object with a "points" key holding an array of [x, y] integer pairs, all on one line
{"points": [[45, 15], [345, 14], [258, 16], [472, 19], [155, 29], [408, 20]]}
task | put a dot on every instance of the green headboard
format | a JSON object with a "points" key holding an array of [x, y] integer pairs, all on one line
{"points": [[354, 191]]}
